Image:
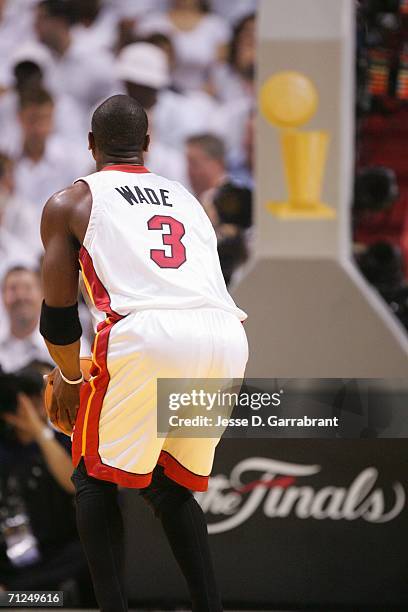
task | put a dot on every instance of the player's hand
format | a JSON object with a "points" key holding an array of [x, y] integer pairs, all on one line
{"points": [[65, 402]]}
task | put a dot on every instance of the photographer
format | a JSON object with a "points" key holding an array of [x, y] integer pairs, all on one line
{"points": [[39, 545], [229, 209]]}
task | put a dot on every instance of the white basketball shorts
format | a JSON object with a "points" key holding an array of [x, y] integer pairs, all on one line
{"points": [[116, 426]]}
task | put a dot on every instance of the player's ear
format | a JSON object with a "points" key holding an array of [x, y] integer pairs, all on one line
{"points": [[147, 143], [91, 143]]}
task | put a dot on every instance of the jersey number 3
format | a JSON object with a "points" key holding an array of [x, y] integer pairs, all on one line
{"points": [[172, 239]]}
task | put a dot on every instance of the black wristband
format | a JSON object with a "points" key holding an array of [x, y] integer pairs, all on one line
{"points": [[60, 325]]}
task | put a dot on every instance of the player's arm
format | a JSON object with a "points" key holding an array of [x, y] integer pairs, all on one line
{"points": [[60, 324]]}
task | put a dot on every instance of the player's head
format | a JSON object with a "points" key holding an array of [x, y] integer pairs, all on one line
{"points": [[119, 130]]}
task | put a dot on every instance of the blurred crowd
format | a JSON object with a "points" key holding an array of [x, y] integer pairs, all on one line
{"points": [[380, 206], [191, 64]]}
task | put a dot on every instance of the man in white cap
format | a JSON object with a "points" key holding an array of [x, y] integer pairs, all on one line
{"points": [[144, 70]]}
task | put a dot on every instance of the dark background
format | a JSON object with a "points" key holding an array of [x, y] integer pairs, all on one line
{"points": [[290, 561]]}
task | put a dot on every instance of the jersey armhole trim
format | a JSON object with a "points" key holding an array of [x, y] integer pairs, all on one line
{"points": [[91, 229]]}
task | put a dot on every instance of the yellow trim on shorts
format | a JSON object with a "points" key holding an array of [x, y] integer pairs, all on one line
{"points": [[88, 406]]}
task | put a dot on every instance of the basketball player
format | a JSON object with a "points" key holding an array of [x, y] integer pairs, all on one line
{"points": [[148, 257]]}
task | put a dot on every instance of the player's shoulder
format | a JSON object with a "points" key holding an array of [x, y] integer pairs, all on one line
{"points": [[69, 196], [62, 204]]}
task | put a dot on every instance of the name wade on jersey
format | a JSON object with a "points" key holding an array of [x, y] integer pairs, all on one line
{"points": [[144, 196]]}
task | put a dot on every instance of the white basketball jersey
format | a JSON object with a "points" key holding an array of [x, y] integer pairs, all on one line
{"points": [[149, 245]]}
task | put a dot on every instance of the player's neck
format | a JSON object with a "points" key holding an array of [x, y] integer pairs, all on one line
{"points": [[111, 160]]}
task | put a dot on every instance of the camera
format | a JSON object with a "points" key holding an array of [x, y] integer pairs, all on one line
{"points": [[28, 381]]}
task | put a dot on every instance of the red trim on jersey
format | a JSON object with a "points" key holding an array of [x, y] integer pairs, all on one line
{"points": [[99, 295], [180, 474], [126, 168]]}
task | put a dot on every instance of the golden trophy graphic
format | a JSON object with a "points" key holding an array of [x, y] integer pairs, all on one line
{"points": [[288, 100]]}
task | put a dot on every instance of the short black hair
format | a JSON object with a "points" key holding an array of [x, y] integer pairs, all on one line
{"points": [[26, 70], [119, 125], [61, 9], [86, 10], [236, 36]]}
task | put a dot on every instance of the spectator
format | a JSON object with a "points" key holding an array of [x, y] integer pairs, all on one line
{"points": [[87, 76], [164, 43], [46, 163], [18, 217], [14, 251], [232, 251], [199, 39], [229, 210], [234, 85], [129, 13], [235, 79], [206, 163], [15, 26], [234, 205], [37, 551], [143, 69], [95, 25], [30, 64], [22, 299]]}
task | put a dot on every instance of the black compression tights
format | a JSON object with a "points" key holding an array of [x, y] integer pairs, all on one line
{"points": [[100, 528]]}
